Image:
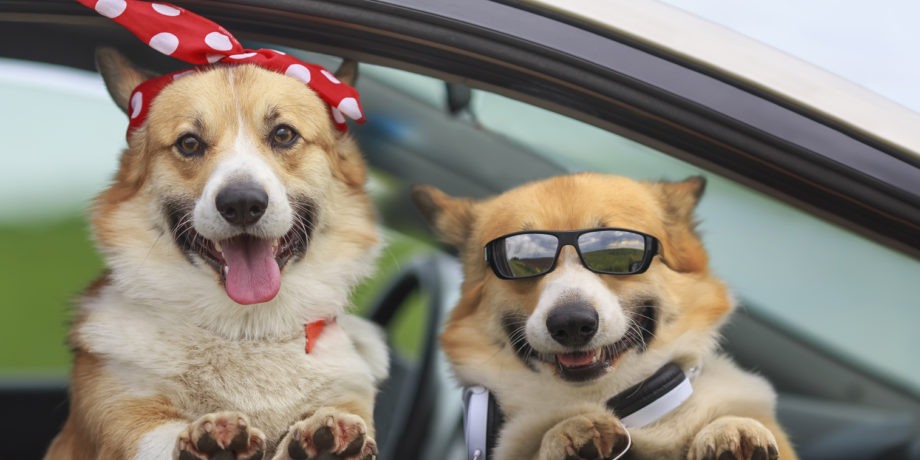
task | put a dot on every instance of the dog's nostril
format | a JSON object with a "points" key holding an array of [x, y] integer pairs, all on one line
{"points": [[242, 204], [572, 324]]}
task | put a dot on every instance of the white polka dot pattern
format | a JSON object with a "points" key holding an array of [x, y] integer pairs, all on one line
{"points": [[137, 102], [165, 43], [111, 8], [330, 77], [165, 10], [299, 72], [218, 41], [349, 106], [181, 74], [337, 115]]}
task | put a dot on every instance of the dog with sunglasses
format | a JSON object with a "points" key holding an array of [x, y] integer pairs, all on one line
{"points": [[589, 311]]}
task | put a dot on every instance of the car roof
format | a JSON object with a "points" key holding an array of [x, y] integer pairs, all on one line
{"points": [[723, 51]]}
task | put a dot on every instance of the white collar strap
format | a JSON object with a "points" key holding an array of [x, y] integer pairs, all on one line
{"points": [[654, 397]]}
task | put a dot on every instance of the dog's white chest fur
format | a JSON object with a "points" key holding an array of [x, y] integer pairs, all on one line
{"points": [[274, 381]]}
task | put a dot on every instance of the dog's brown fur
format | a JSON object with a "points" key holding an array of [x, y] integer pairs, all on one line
{"points": [[730, 411], [164, 361]]}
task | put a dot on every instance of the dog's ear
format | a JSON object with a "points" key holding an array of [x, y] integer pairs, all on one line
{"points": [[681, 248], [120, 76], [348, 72], [451, 218]]}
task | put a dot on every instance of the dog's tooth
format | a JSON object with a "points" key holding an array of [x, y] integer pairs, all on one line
{"points": [[226, 270], [217, 246]]}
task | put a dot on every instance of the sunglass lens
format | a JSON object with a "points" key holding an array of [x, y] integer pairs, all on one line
{"points": [[526, 254], [613, 251]]}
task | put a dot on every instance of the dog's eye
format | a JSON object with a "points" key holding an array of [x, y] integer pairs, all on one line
{"points": [[190, 145], [283, 136]]}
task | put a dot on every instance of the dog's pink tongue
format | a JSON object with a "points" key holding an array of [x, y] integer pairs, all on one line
{"points": [[251, 274], [575, 359]]}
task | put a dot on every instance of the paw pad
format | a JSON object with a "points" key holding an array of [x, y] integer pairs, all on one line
{"points": [[221, 436]]}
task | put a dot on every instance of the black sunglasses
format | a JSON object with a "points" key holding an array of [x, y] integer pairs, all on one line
{"points": [[613, 251]]}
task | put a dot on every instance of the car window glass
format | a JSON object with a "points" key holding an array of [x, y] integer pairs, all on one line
{"points": [[853, 295], [427, 89]]}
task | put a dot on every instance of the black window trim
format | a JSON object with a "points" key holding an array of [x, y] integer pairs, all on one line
{"points": [[912, 158]]}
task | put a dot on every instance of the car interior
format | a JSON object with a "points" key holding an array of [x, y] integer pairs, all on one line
{"points": [[428, 125]]}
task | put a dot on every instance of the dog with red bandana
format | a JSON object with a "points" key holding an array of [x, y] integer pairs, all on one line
{"points": [[234, 231]]}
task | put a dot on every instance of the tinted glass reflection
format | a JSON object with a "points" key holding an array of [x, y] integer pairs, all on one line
{"points": [[529, 254], [612, 251]]}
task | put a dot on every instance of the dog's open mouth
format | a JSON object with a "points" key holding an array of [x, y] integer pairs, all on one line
{"points": [[585, 365], [249, 267], [588, 365]]}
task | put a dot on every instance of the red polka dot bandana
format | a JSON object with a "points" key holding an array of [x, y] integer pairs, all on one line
{"points": [[179, 33]]}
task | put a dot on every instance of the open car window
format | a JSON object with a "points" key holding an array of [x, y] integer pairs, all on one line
{"points": [[838, 294], [811, 276]]}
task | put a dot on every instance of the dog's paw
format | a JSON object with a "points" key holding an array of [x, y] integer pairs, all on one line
{"points": [[597, 435], [734, 438], [330, 434], [221, 436]]}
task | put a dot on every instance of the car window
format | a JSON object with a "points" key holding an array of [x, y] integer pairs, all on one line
{"points": [[844, 291]]}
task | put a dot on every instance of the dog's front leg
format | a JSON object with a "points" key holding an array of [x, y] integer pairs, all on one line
{"points": [[220, 435], [592, 433], [741, 438], [329, 433], [151, 431]]}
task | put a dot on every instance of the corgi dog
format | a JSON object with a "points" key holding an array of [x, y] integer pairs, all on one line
{"points": [[580, 287], [237, 216]]}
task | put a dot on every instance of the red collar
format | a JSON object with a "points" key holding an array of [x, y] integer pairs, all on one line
{"points": [[313, 330]]}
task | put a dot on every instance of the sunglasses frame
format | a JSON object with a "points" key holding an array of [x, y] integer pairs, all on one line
{"points": [[570, 238]]}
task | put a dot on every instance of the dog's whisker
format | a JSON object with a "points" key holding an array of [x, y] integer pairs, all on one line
{"points": [[636, 335]]}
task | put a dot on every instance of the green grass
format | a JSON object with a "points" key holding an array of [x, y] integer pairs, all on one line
{"points": [[405, 330], [44, 265], [614, 260], [528, 267]]}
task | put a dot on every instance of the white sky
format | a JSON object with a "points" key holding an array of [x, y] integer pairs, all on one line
{"points": [[872, 43]]}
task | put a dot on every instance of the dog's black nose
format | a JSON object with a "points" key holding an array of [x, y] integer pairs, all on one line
{"points": [[572, 324], [242, 204]]}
